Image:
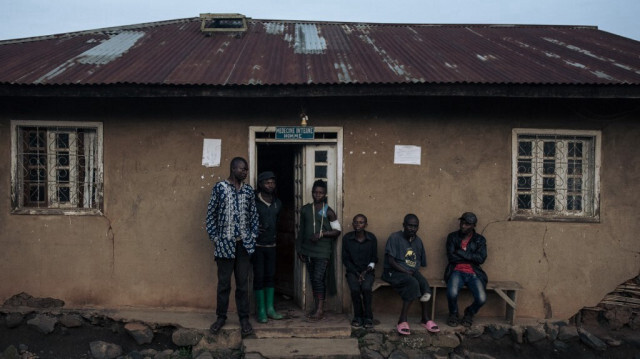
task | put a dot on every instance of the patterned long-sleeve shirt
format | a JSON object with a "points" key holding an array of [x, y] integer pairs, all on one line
{"points": [[231, 216]]}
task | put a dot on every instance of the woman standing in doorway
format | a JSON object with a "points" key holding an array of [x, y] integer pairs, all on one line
{"points": [[319, 227]]}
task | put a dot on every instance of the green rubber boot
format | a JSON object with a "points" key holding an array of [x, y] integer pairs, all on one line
{"points": [[260, 311], [271, 311]]}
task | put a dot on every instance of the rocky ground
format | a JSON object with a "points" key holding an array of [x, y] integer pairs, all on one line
{"points": [[53, 333]]}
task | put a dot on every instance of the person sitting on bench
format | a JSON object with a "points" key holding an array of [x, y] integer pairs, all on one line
{"points": [[466, 251], [359, 256], [404, 255]]}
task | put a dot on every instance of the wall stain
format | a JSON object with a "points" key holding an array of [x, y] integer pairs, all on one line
{"points": [[110, 235], [546, 304], [548, 312]]}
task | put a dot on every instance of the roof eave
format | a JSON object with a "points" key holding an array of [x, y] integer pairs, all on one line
{"points": [[593, 91]]}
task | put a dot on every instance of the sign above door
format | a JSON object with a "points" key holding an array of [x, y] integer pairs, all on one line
{"points": [[295, 133]]}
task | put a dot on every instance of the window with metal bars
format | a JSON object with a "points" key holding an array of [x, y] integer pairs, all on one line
{"points": [[57, 167], [555, 174]]}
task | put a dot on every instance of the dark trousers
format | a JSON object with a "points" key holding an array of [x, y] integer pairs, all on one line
{"points": [[264, 267], [240, 267], [317, 268], [410, 287], [361, 294]]}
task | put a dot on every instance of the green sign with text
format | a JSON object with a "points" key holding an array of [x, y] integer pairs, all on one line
{"points": [[295, 133]]}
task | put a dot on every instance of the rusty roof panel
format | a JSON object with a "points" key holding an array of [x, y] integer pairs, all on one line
{"points": [[273, 52]]}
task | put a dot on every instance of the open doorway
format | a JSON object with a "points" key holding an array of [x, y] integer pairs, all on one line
{"points": [[297, 164], [279, 158]]}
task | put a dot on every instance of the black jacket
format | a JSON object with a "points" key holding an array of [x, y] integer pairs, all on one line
{"points": [[356, 256], [475, 254]]}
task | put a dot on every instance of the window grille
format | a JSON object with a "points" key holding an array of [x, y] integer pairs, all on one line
{"points": [[57, 167], [555, 175]]}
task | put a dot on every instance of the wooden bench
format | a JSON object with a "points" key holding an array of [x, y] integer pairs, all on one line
{"points": [[507, 290]]}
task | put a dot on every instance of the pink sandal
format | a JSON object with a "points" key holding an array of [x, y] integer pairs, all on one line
{"points": [[431, 326], [403, 328]]}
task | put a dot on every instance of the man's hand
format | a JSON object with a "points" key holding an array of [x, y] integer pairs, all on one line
{"points": [[361, 276]]}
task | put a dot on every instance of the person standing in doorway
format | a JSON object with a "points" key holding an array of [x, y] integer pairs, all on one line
{"points": [[403, 256], [264, 259], [359, 256], [232, 224], [466, 251], [319, 228]]}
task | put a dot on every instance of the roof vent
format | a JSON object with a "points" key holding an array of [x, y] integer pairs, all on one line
{"points": [[223, 23]]}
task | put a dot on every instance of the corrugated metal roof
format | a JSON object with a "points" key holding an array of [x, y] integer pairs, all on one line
{"points": [[274, 52]]}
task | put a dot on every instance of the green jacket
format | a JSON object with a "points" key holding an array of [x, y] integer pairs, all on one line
{"points": [[323, 248]]}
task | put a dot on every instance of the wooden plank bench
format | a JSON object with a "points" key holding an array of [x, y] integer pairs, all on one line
{"points": [[507, 290]]}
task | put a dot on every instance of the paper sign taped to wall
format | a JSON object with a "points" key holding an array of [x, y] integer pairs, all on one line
{"points": [[407, 155], [211, 149]]}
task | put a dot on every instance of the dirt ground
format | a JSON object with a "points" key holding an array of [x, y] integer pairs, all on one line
{"points": [[73, 343], [507, 348]]}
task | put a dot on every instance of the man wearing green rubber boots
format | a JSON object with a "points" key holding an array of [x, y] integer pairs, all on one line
{"points": [[264, 259]]}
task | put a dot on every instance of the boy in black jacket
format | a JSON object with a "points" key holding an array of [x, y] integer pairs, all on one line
{"points": [[359, 256]]}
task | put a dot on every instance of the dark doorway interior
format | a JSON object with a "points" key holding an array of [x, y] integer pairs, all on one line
{"points": [[279, 158]]}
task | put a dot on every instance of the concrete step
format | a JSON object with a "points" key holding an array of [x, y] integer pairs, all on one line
{"points": [[276, 348], [295, 325]]}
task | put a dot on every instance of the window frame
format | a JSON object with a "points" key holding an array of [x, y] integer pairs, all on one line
{"points": [[17, 181], [592, 214]]}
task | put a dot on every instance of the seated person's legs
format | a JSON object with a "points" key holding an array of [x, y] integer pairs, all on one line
{"points": [[479, 294], [479, 297], [367, 298], [454, 285], [407, 287], [425, 288], [355, 289]]}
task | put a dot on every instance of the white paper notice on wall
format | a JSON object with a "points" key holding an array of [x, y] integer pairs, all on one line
{"points": [[407, 155], [211, 149]]}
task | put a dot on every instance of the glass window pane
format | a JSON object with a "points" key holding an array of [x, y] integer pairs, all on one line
{"points": [[37, 174], [549, 183], [574, 167], [524, 166], [33, 160], [63, 194], [321, 156], [549, 167], [36, 139], [574, 184], [548, 202], [321, 172], [63, 176], [524, 148], [575, 149], [549, 149], [574, 203], [524, 201], [62, 140], [63, 159], [36, 194], [524, 183]]}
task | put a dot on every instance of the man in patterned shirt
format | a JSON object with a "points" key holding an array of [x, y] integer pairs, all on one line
{"points": [[232, 224]]}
